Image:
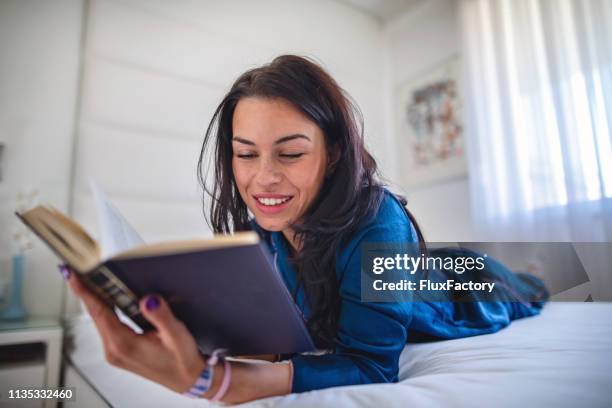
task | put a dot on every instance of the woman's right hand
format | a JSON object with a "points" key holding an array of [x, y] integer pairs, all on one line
{"points": [[167, 355]]}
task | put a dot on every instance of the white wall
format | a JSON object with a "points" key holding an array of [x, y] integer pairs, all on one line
{"points": [[39, 48], [416, 42]]}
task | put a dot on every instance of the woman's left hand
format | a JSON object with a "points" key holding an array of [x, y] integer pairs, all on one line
{"points": [[167, 355]]}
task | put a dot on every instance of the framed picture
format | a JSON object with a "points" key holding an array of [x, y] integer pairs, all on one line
{"points": [[430, 126]]}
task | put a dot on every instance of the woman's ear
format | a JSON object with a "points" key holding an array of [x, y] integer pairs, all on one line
{"points": [[332, 160]]}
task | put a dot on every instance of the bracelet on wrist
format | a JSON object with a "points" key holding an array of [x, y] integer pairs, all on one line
{"points": [[225, 383], [205, 380], [202, 383]]}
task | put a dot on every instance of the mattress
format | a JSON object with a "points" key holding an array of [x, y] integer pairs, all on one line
{"points": [[561, 358]]}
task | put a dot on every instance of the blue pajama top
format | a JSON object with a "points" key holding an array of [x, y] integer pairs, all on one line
{"points": [[371, 335]]}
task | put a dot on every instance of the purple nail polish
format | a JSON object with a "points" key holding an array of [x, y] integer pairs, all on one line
{"points": [[64, 271], [152, 303]]}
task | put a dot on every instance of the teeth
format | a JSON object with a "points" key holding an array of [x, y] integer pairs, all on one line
{"points": [[272, 201]]}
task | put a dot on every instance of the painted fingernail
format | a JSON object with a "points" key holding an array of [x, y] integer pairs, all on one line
{"points": [[64, 271], [152, 303]]}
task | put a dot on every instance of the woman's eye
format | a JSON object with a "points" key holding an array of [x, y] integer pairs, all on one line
{"points": [[292, 156], [246, 155]]}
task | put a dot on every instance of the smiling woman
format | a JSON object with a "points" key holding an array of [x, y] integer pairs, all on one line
{"points": [[290, 162]]}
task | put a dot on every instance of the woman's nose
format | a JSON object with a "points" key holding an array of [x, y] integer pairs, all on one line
{"points": [[268, 174]]}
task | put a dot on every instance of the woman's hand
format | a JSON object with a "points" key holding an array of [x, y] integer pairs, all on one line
{"points": [[167, 355]]}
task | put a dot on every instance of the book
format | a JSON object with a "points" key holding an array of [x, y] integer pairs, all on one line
{"points": [[225, 289]]}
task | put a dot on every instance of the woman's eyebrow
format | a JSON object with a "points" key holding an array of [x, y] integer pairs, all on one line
{"points": [[279, 141], [243, 141], [291, 137]]}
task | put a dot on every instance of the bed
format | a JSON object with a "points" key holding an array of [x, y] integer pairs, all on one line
{"points": [[562, 358]]}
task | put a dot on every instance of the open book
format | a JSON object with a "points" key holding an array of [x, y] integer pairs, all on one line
{"points": [[225, 289]]}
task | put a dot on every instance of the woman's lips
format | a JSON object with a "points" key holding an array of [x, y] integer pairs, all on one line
{"points": [[275, 208]]}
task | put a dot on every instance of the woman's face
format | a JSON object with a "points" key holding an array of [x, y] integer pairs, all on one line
{"points": [[279, 160]]}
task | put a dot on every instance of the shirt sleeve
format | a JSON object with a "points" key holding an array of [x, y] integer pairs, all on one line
{"points": [[371, 335]]}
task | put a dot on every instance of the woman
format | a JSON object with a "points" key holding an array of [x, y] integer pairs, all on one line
{"points": [[289, 162]]}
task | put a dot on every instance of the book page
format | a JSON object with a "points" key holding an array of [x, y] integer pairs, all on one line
{"points": [[117, 235]]}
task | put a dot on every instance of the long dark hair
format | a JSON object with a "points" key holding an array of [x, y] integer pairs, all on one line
{"points": [[350, 193]]}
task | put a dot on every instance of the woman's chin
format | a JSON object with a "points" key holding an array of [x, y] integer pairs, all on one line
{"points": [[271, 225]]}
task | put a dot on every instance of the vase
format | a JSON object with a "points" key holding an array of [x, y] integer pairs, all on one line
{"points": [[15, 310]]}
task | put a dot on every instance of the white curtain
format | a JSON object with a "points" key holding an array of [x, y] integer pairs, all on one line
{"points": [[538, 97]]}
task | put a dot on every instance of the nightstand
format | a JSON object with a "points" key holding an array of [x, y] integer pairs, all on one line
{"points": [[30, 356]]}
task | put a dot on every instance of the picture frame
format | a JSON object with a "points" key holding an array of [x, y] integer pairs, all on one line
{"points": [[429, 123]]}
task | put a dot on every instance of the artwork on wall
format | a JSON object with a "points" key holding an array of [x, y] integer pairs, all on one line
{"points": [[430, 126]]}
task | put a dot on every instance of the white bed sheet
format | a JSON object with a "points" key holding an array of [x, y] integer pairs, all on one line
{"points": [[562, 358]]}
